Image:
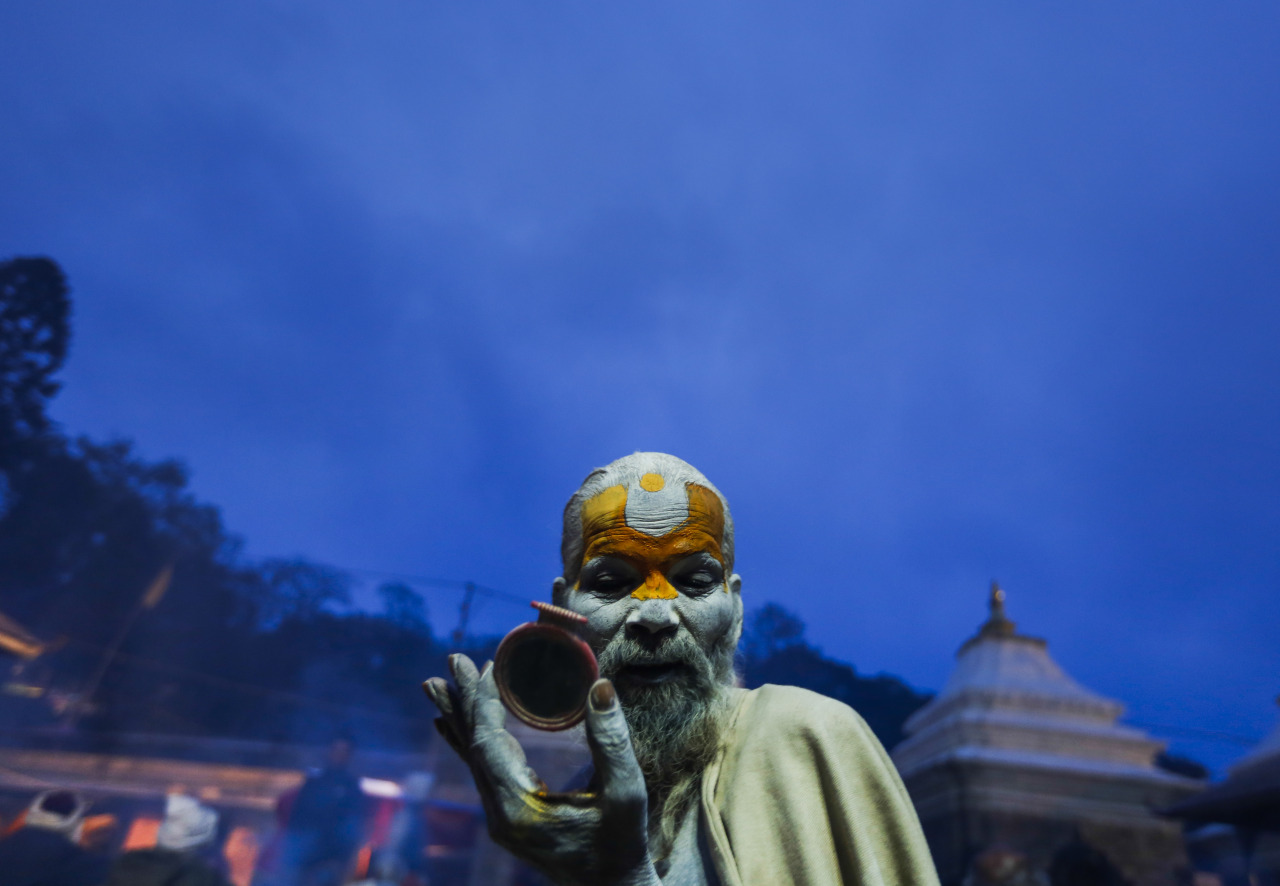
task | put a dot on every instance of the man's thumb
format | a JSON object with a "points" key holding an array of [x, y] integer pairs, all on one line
{"points": [[610, 741]]}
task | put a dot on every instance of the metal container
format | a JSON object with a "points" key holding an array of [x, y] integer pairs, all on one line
{"points": [[544, 670]]}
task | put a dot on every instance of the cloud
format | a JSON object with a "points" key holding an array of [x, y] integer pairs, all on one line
{"points": [[935, 297]]}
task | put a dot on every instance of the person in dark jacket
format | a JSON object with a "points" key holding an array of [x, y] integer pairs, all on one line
{"points": [[186, 835], [325, 824], [43, 851]]}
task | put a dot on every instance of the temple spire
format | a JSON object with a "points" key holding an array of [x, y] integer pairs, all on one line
{"points": [[997, 624], [997, 600]]}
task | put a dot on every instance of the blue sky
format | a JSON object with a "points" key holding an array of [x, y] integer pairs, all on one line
{"points": [[935, 293]]}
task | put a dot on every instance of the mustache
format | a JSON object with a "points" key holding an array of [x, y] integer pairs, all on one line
{"points": [[623, 651]]}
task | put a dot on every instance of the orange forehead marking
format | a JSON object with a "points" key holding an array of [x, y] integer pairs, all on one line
{"points": [[605, 533], [652, 482], [604, 508]]}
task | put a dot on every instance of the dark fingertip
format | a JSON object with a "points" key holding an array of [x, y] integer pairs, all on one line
{"points": [[603, 696]]}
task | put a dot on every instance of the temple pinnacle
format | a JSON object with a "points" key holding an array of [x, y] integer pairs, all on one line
{"points": [[997, 600], [998, 624]]}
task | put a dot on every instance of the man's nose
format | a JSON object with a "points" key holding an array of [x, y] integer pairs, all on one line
{"points": [[653, 618]]}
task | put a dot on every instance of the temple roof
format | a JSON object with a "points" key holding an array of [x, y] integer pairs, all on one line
{"points": [[1250, 795], [1000, 669], [999, 659], [1267, 750], [1008, 699]]}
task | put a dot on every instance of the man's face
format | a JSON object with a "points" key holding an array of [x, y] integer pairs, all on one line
{"points": [[652, 584]]}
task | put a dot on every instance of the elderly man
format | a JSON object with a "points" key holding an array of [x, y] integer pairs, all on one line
{"points": [[695, 781]]}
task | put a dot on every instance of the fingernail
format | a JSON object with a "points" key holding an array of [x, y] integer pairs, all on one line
{"points": [[603, 695], [426, 687]]}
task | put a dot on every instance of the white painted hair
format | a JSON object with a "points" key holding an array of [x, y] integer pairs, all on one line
{"points": [[627, 472]]}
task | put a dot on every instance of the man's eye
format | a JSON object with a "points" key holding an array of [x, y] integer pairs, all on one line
{"points": [[609, 581], [702, 578]]}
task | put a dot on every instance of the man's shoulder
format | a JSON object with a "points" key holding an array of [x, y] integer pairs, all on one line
{"points": [[790, 708], [788, 716], [832, 794]]}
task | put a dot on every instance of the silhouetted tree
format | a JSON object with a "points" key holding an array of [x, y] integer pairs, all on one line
{"points": [[404, 607], [775, 651], [769, 630], [34, 332], [297, 588]]}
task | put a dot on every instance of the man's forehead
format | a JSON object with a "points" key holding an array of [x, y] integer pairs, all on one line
{"points": [[655, 507]]}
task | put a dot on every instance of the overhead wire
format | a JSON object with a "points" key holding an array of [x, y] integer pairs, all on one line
{"points": [[429, 581], [469, 587]]}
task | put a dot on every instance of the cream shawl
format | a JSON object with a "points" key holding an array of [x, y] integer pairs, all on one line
{"points": [[804, 794]]}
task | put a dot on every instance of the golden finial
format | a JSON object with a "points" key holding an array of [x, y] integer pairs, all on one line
{"points": [[997, 600], [998, 624]]}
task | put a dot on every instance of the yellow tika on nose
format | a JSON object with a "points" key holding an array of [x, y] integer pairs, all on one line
{"points": [[655, 587]]}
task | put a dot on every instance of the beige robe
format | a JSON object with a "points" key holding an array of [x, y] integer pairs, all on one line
{"points": [[803, 793]]}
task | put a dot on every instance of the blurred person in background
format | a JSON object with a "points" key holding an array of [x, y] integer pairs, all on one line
{"points": [[403, 859], [1001, 866], [325, 823], [185, 852], [44, 852]]}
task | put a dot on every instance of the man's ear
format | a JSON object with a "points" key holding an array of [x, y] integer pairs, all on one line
{"points": [[560, 592], [734, 584]]}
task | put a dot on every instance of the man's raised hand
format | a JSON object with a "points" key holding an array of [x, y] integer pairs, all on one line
{"points": [[579, 838]]}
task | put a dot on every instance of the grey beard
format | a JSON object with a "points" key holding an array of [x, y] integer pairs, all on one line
{"points": [[676, 726]]}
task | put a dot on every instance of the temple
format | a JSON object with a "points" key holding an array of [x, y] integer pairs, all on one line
{"points": [[1235, 824], [1014, 753]]}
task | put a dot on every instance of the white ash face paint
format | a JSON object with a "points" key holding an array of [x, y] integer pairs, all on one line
{"points": [[704, 599], [709, 619], [656, 511], [628, 472]]}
